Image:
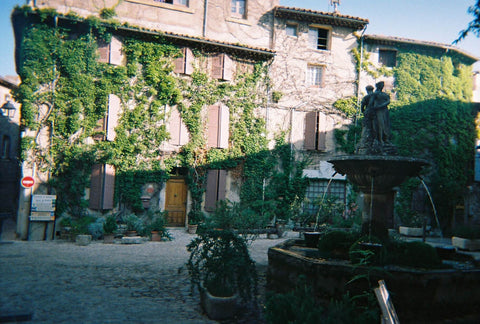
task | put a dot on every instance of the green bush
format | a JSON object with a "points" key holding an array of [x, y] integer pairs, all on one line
{"points": [[336, 243], [368, 250], [110, 224], [467, 232], [414, 254]]}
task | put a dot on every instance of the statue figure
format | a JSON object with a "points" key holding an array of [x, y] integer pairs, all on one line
{"points": [[379, 104], [369, 123]]}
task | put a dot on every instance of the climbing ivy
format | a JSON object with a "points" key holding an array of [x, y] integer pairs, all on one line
{"points": [[66, 90]]}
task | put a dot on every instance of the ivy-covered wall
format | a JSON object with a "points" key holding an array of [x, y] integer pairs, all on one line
{"points": [[64, 92]]}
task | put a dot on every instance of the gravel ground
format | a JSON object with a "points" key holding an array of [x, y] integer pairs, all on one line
{"points": [[61, 282]]}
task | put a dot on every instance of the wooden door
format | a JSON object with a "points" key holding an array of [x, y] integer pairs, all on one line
{"points": [[176, 201]]}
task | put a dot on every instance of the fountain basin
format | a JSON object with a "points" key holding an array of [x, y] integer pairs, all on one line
{"points": [[418, 295]]}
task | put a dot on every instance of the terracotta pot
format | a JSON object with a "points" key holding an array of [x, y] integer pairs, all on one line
{"points": [[108, 238], [156, 236], [192, 229]]}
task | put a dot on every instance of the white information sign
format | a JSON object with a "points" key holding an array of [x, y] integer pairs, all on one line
{"points": [[43, 208]]}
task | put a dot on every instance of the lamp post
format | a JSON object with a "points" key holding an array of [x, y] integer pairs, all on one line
{"points": [[8, 109]]}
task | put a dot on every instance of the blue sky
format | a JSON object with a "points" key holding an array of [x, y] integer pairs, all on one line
{"points": [[429, 20]]}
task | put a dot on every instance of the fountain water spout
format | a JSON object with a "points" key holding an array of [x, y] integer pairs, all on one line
{"points": [[433, 206]]}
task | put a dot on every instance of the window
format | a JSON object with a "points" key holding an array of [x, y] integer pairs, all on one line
{"points": [[318, 38], [177, 129], [111, 52], [184, 64], [387, 58], [238, 8], [222, 67], [218, 126], [316, 190], [315, 131], [216, 188], [315, 75], [102, 185], [291, 30]]}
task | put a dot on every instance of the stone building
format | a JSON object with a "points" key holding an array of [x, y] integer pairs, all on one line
{"points": [[310, 66]]}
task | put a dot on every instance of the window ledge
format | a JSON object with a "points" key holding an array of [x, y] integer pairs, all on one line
{"points": [[164, 5], [239, 21]]}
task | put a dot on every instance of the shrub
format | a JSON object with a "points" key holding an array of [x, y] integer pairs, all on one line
{"points": [[336, 243], [467, 232], [110, 224], [414, 254], [368, 250]]}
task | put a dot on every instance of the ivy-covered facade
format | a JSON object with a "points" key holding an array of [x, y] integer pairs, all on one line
{"points": [[143, 105]]}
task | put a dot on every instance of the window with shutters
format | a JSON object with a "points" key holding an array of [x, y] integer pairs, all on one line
{"points": [[102, 186], [315, 131], [222, 67], [291, 30], [218, 126], [315, 75], [111, 52], [319, 38], [184, 64], [179, 135], [239, 8], [387, 58], [216, 188], [113, 115]]}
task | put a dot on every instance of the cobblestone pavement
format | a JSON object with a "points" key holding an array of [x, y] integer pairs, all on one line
{"points": [[61, 282]]}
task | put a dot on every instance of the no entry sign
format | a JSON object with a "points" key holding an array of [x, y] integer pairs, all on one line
{"points": [[27, 182]]}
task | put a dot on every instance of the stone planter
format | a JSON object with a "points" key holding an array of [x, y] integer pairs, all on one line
{"points": [[218, 308], [466, 244], [411, 231], [311, 239], [192, 229], [83, 239]]}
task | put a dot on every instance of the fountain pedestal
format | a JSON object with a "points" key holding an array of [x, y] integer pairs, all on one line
{"points": [[376, 177]]}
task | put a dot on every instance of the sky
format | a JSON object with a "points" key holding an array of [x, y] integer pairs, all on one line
{"points": [[428, 20]]}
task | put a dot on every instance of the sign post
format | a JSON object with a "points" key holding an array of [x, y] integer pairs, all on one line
{"points": [[43, 208]]}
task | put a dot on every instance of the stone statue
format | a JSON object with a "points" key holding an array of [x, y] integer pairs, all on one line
{"points": [[375, 137], [379, 104]]}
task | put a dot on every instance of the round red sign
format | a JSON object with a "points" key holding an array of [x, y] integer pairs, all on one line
{"points": [[27, 182]]}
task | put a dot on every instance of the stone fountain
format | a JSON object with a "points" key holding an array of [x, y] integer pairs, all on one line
{"points": [[376, 168]]}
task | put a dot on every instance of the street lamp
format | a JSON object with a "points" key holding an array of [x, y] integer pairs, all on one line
{"points": [[8, 109]]}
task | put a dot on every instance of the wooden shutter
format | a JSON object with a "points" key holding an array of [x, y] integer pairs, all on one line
{"points": [[102, 185], [216, 188], [177, 129], [310, 130], [180, 63], [223, 131], [189, 61], [321, 132], [213, 125], [95, 199], [108, 186], [116, 54], [103, 51], [228, 65], [217, 66], [114, 110]]}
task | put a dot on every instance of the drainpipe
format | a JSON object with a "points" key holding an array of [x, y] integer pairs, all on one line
{"points": [[205, 11]]}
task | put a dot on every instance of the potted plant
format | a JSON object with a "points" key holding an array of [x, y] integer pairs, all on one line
{"points": [[109, 228], [466, 237], [81, 231], [195, 217], [221, 269], [134, 225], [157, 227], [412, 224]]}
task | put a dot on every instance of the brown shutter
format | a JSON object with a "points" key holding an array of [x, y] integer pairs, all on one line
{"points": [[222, 185], [228, 66], [321, 132], [99, 129], [211, 190], [116, 54], [108, 186], [217, 66], [224, 130], [180, 63], [113, 116], [103, 51], [189, 61], [95, 187], [213, 122], [310, 130]]}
